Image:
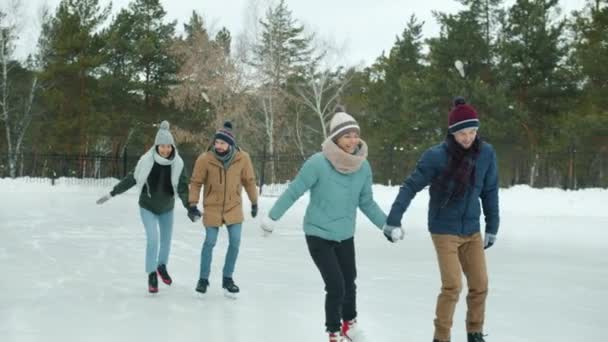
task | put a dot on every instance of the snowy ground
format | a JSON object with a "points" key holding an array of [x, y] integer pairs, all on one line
{"points": [[73, 271]]}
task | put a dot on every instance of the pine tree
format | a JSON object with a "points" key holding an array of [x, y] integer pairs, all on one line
{"points": [[120, 100], [224, 39], [487, 13], [532, 54], [195, 26], [403, 87], [150, 39], [590, 28], [71, 59], [588, 123]]}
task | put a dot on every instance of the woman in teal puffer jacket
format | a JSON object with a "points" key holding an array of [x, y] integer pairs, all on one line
{"points": [[340, 181]]}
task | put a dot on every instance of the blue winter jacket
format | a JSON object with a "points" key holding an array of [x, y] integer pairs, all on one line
{"points": [[459, 216], [334, 199]]}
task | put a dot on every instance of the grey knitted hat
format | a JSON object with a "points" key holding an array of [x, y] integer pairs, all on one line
{"points": [[341, 123], [163, 136]]}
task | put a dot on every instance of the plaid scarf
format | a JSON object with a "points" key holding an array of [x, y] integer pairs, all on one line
{"points": [[460, 171]]}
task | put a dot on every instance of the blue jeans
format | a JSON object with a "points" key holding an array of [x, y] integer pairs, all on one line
{"points": [[234, 236], [154, 224]]}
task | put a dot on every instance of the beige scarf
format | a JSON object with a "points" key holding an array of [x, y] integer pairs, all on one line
{"points": [[342, 161]]}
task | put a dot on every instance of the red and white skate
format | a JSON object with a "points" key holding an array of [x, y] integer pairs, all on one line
{"points": [[352, 332], [335, 337]]}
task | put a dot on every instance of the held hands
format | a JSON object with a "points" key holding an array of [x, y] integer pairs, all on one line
{"points": [[104, 198], [267, 226], [489, 240], [194, 214], [392, 233]]}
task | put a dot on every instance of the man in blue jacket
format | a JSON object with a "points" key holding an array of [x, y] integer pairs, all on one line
{"points": [[461, 170]]}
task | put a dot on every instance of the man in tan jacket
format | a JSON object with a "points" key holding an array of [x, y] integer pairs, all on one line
{"points": [[222, 172]]}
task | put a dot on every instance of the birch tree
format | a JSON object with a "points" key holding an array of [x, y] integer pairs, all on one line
{"points": [[18, 86], [281, 50], [320, 92]]}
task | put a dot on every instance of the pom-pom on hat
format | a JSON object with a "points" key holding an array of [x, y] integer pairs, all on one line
{"points": [[164, 136]]}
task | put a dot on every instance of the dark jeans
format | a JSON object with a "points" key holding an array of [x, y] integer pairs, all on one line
{"points": [[336, 262]]}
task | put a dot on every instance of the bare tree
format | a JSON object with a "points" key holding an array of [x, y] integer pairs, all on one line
{"points": [[14, 112], [103, 146], [208, 77], [297, 131], [321, 92]]}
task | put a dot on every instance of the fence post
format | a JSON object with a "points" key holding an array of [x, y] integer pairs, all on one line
{"points": [[53, 178], [574, 180], [65, 168], [392, 165]]}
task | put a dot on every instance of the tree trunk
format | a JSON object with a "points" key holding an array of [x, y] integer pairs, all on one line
{"points": [[299, 142], [269, 123], [12, 157], [534, 170]]}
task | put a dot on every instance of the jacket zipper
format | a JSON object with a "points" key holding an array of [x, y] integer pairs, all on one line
{"points": [[222, 170]]}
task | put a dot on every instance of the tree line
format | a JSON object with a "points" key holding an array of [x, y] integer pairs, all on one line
{"points": [[98, 84]]}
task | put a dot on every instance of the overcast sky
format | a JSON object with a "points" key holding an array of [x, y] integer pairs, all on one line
{"points": [[361, 28]]}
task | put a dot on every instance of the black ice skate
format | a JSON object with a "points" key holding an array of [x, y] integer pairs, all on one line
{"points": [[230, 288]]}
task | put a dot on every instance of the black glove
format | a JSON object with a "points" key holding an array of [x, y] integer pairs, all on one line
{"points": [[254, 210], [194, 214]]}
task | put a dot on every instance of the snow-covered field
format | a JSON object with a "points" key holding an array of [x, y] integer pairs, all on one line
{"points": [[74, 271]]}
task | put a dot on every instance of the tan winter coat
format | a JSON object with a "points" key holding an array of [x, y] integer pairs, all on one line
{"points": [[222, 188]]}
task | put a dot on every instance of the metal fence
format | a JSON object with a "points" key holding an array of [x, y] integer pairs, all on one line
{"points": [[562, 169]]}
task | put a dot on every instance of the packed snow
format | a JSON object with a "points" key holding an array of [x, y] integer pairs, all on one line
{"points": [[74, 271]]}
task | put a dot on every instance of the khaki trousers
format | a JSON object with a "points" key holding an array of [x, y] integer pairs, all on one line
{"points": [[457, 255]]}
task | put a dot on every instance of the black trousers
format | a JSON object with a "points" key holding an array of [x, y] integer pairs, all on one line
{"points": [[336, 262]]}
